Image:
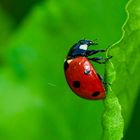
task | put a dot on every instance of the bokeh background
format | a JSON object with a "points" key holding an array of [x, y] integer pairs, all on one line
{"points": [[35, 36]]}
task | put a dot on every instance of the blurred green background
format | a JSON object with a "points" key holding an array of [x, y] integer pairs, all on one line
{"points": [[35, 36]]}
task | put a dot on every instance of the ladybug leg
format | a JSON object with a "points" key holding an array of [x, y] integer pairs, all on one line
{"points": [[103, 80], [97, 59], [100, 77], [91, 52]]}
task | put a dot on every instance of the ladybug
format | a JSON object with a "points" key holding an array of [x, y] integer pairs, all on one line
{"points": [[80, 73]]}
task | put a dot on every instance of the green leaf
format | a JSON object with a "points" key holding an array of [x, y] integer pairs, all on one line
{"points": [[36, 102], [124, 90]]}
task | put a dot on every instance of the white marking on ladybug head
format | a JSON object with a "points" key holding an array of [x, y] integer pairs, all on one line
{"points": [[83, 47]]}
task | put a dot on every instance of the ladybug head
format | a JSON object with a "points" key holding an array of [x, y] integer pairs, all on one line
{"points": [[85, 42], [80, 48]]}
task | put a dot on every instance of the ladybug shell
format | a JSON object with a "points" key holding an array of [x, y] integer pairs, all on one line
{"points": [[82, 78]]}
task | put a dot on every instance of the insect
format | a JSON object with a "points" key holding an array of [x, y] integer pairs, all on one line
{"points": [[80, 73]]}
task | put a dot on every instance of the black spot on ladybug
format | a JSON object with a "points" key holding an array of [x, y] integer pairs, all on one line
{"points": [[66, 65], [76, 84], [96, 93], [86, 72]]}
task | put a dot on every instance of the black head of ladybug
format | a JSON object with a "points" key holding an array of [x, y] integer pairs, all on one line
{"points": [[86, 42], [80, 48]]}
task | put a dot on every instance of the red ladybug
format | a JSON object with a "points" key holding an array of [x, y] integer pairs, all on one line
{"points": [[80, 73]]}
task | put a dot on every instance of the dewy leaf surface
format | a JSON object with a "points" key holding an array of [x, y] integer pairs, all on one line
{"points": [[126, 60]]}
